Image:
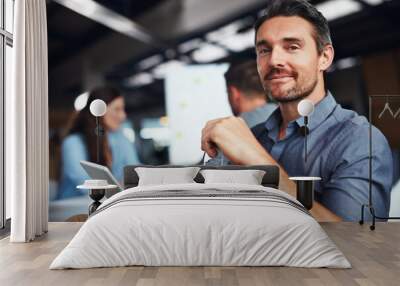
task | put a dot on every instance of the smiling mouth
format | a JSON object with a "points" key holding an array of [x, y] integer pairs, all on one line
{"points": [[280, 78]]}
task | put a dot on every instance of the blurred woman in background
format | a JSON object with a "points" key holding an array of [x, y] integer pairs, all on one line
{"points": [[116, 151]]}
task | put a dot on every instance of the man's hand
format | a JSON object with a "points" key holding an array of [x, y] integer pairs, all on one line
{"points": [[233, 137]]}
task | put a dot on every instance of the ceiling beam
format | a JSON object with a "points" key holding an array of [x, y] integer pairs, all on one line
{"points": [[112, 20]]}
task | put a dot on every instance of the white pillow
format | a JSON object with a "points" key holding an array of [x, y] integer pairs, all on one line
{"points": [[162, 176], [248, 177]]}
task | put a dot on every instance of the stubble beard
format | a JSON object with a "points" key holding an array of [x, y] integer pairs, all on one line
{"points": [[296, 93]]}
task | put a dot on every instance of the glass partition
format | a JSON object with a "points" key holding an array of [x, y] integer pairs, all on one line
{"points": [[385, 115]]}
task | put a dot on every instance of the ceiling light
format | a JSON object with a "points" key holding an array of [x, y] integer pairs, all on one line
{"points": [[346, 63], [229, 29], [223, 32], [81, 101], [208, 53], [150, 62], [140, 79], [161, 70], [335, 9], [189, 45], [374, 2], [239, 42]]}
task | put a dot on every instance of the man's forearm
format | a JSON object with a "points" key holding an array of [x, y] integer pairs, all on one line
{"points": [[319, 212]]}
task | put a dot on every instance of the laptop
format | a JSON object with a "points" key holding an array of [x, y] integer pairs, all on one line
{"points": [[100, 172]]}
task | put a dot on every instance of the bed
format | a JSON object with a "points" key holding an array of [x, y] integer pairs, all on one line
{"points": [[201, 224]]}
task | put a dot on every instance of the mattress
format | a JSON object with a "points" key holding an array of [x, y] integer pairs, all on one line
{"points": [[201, 225]]}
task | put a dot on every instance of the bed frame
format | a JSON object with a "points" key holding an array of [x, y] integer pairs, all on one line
{"points": [[270, 179]]}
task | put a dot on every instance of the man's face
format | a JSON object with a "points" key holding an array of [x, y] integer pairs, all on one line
{"points": [[287, 58]]}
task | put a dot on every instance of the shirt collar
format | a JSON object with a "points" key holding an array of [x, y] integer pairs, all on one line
{"points": [[274, 120], [321, 112]]}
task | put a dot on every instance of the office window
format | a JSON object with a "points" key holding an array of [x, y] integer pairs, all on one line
{"points": [[6, 43]]}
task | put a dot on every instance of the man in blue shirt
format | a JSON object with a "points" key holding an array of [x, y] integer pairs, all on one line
{"points": [[294, 49]]}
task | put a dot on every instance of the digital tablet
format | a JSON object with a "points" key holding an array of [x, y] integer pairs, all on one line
{"points": [[100, 172]]}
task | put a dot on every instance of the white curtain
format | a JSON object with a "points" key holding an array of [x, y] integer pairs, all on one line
{"points": [[27, 123]]}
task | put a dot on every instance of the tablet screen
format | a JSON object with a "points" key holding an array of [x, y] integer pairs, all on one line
{"points": [[100, 172]]}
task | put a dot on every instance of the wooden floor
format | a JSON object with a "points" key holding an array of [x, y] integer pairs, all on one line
{"points": [[375, 257]]}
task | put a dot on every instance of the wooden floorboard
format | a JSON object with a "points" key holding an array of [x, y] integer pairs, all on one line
{"points": [[374, 255]]}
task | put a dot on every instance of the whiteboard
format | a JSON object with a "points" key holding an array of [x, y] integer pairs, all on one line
{"points": [[194, 95]]}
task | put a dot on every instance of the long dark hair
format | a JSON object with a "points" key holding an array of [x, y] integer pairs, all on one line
{"points": [[84, 123]]}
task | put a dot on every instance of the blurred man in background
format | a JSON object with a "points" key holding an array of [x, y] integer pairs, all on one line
{"points": [[246, 97], [246, 94]]}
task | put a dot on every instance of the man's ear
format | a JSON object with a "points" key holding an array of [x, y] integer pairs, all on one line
{"points": [[235, 100], [326, 57], [234, 93]]}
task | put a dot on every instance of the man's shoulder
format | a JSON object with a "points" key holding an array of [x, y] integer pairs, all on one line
{"points": [[258, 129], [350, 128], [259, 115], [347, 120], [351, 121]]}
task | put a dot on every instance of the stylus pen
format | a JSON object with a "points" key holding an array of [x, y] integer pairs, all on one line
{"points": [[204, 156]]}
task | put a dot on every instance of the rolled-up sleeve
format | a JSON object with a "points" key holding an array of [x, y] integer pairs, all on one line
{"points": [[348, 185]]}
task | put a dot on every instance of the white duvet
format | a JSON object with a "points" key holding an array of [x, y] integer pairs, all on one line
{"points": [[183, 231]]}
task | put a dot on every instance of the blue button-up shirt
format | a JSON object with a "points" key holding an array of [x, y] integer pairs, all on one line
{"points": [[338, 152], [258, 115]]}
